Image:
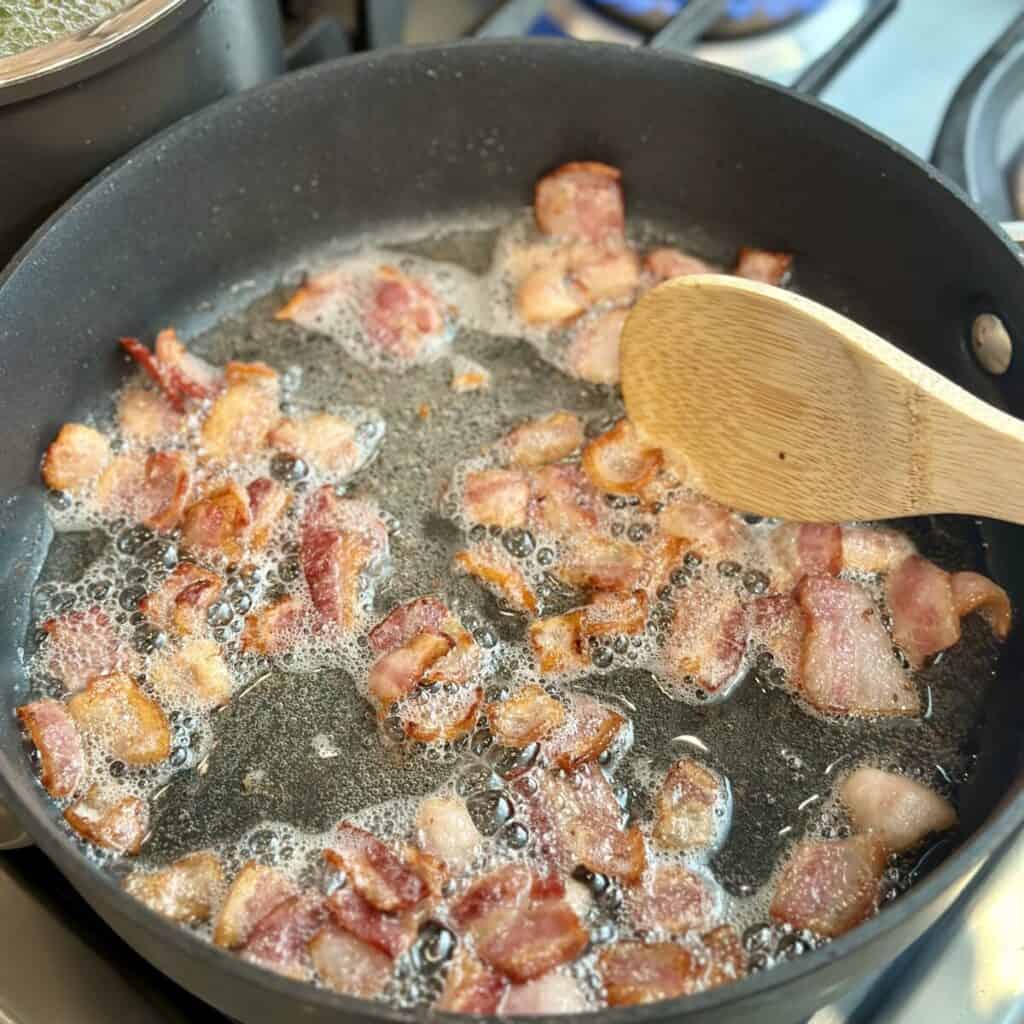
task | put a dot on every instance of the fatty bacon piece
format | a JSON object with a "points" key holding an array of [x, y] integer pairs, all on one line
{"points": [[829, 885], [525, 717], [927, 604], [666, 264], [445, 829], [556, 992], [55, 736], [581, 200], [232, 520], [276, 628], [430, 716], [111, 818], [81, 645], [389, 933], [618, 462], [243, 414], [594, 561], [152, 489], [185, 891], [587, 732], [194, 674], [181, 602], [395, 675], [796, 550], [563, 500], [557, 645], [341, 540], [496, 497], [848, 666], [539, 442], [763, 265], [894, 809], [75, 459], [471, 987], [593, 352], [875, 549], [377, 873], [179, 374], [671, 900], [685, 817], [144, 415], [323, 440], [280, 940], [255, 892], [708, 529], [346, 964], [499, 573]]}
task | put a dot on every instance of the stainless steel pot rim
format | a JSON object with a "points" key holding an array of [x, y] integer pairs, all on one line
{"points": [[67, 51]]}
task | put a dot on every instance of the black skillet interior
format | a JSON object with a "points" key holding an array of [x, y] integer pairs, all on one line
{"points": [[248, 188]]}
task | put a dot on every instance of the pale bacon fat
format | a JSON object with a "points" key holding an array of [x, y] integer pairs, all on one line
{"points": [[618, 462], [76, 458], [973, 592], [391, 934], [241, 417], [182, 600], [796, 550], [445, 829], [665, 264], [875, 548], [896, 810], [439, 714], [396, 674], [557, 644], [127, 723], [592, 560], [763, 265], [563, 501], [347, 964], [375, 871], [254, 893], [185, 891], [671, 900], [848, 666], [549, 439], [496, 497], [109, 818], [829, 885], [55, 736], [613, 614], [553, 993], [147, 417], [486, 563], [593, 352], [549, 296], [196, 674], [635, 973], [581, 200], [685, 816], [280, 941], [527, 716], [217, 524], [81, 645], [605, 274], [471, 987], [153, 489], [590, 729], [920, 598], [710, 529], [179, 374], [276, 628], [323, 440]]}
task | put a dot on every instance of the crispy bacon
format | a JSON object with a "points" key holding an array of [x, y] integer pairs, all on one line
{"points": [[635, 973], [391, 934], [829, 885], [126, 722], [685, 809], [184, 891], [614, 614], [591, 728], [471, 987], [710, 529], [874, 548], [445, 829], [581, 200], [496, 497], [762, 265], [55, 736], [549, 296], [492, 568], [241, 417], [268, 501], [181, 601], [605, 274], [347, 964], [82, 645], [554, 993], [896, 810], [374, 871], [276, 628], [549, 439], [153, 489], [672, 900], [147, 416], [920, 597], [797, 550], [557, 644], [618, 462], [280, 940], [593, 352], [848, 666], [325, 441], [76, 458], [441, 715], [396, 674], [665, 264], [603, 563], [563, 500], [662, 555], [527, 942], [527, 716], [110, 818], [973, 592], [196, 674], [255, 892], [178, 373], [217, 524]]}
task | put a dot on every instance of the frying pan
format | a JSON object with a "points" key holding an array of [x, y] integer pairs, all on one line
{"points": [[456, 132]]}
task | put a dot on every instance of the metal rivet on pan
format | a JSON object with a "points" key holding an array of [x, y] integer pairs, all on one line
{"points": [[991, 343]]}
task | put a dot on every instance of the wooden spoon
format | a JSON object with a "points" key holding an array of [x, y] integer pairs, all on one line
{"points": [[783, 407]]}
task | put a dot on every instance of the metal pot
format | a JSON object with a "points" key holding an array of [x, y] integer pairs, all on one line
{"points": [[68, 108]]}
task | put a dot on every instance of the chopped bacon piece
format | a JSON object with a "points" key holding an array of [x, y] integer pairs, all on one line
{"points": [[710, 529], [634, 973], [592, 727], [471, 987], [563, 500], [108, 817], [612, 614], [404, 621], [551, 994], [276, 628], [325, 441], [526, 717], [445, 829], [604, 563], [268, 501], [153, 489], [182, 600], [804, 549], [685, 817], [280, 940], [896, 810], [396, 674], [593, 352], [973, 592], [375, 871], [404, 314], [255, 892], [82, 645], [196, 675], [217, 524], [671, 899], [726, 960], [76, 458], [123, 719], [875, 549], [184, 891], [392, 934], [604, 274], [55, 736], [496, 497], [432, 716], [778, 625], [240, 419], [920, 597], [507, 887], [581, 200], [174, 369], [549, 296], [557, 644], [708, 642], [498, 572], [469, 375], [527, 942], [147, 417], [548, 439], [347, 964], [618, 462], [829, 885], [762, 265], [848, 666], [665, 264]]}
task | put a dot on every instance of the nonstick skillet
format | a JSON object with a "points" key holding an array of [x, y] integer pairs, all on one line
{"points": [[452, 133]]}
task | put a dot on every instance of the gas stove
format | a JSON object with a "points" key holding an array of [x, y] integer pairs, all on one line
{"points": [[969, 968]]}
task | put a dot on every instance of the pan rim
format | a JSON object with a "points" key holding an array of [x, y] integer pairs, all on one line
{"points": [[34, 809]]}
